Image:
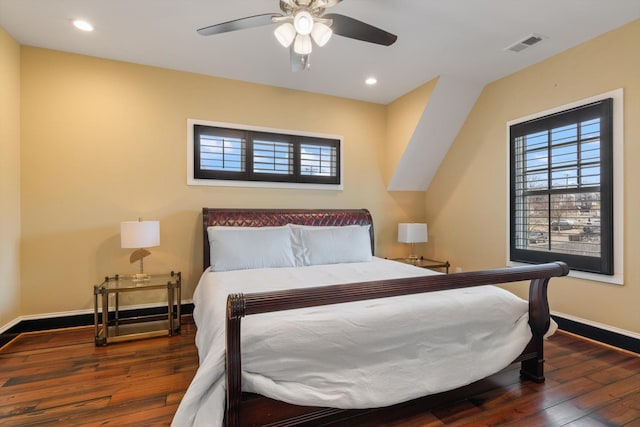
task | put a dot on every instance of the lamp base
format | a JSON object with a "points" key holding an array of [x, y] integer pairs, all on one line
{"points": [[138, 255], [412, 256]]}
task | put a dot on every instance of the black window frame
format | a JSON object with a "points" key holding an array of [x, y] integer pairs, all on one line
{"points": [[249, 174], [604, 263]]}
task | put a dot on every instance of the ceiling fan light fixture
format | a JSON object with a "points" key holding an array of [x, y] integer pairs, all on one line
{"points": [[321, 33], [285, 34], [303, 22], [302, 45]]}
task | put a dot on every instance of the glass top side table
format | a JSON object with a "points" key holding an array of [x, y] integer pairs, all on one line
{"points": [[111, 326], [425, 263]]}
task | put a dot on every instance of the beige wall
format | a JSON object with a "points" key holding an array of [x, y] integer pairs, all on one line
{"points": [[9, 179], [467, 202], [105, 141]]}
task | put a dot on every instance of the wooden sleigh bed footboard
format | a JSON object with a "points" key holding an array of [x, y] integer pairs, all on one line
{"points": [[239, 305]]}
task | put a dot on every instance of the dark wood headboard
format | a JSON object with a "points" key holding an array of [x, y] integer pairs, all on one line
{"points": [[277, 217]]}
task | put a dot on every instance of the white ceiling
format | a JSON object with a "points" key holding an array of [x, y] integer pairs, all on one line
{"points": [[463, 38]]}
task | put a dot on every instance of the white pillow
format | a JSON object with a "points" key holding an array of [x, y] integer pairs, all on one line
{"points": [[331, 245], [299, 251], [241, 248]]}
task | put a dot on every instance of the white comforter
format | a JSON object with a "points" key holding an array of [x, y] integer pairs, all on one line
{"points": [[364, 354]]}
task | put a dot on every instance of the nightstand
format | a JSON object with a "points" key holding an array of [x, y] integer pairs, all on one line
{"points": [[425, 263], [112, 328]]}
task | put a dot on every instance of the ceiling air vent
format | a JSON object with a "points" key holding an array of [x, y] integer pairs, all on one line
{"points": [[528, 41]]}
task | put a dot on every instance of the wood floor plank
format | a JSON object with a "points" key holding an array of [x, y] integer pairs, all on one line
{"points": [[621, 412], [556, 415], [539, 398], [617, 370], [60, 378], [56, 416]]}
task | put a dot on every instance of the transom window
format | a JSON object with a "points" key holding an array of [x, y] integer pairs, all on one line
{"points": [[562, 188], [224, 153]]}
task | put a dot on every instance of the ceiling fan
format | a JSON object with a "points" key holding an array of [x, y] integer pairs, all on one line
{"points": [[302, 22]]}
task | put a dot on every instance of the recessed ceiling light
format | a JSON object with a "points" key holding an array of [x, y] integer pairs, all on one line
{"points": [[83, 25], [371, 81]]}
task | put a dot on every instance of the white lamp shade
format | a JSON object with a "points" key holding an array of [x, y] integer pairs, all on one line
{"points": [[321, 33], [302, 45], [303, 23], [285, 34], [412, 233], [139, 234]]}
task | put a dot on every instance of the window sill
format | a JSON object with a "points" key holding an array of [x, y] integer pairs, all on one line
{"points": [[263, 184], [616, 279]]}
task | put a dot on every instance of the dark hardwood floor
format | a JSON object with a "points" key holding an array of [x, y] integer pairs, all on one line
{"points": [[59, 378]]}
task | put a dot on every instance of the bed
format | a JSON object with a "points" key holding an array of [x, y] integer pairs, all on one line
{"points": [[328, 328]]}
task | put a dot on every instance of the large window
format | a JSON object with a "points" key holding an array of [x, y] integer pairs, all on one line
{"points": [[249, 155], [561, 188]]}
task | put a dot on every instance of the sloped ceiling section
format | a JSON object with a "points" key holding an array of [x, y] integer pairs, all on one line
{"points": [[445, 113]]}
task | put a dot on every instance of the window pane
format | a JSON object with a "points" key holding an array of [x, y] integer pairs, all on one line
{"points": [[537, 140], [590, 151], [564, 178], [572, 227], [590, 176], [565, 155], [537, 159], [567, 223], [534, 223], [318, 160], [272, 157], [564, 134], [537, 181], [590, 128], [222, 153]]}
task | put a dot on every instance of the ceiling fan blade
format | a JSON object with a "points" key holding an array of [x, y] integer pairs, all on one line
{"points": [[299, 62], [239, 24], [352, 28]]}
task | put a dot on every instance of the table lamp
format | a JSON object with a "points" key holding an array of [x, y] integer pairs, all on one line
{"points": [[412, 233], [140, 235]]}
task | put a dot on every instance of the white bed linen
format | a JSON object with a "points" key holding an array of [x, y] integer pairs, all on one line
{"points": [[356, 355]]}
